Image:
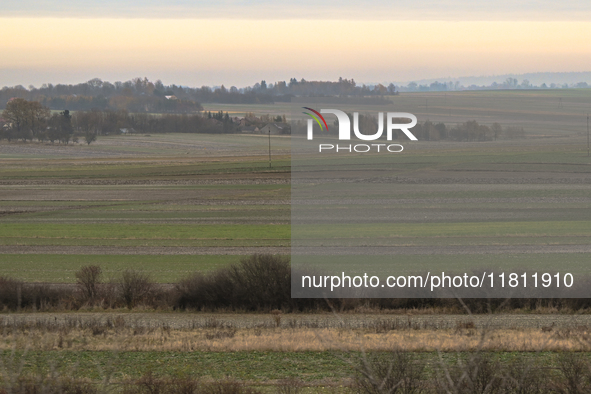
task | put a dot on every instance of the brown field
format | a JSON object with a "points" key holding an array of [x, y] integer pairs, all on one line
{"points": [[294, 333]]}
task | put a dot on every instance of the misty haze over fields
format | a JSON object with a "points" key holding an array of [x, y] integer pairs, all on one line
{"points": [[534, 78]]}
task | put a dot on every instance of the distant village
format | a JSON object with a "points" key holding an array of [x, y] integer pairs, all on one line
{"points": [[250, 124]]}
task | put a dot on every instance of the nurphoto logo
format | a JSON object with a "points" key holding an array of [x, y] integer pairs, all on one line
{"points": [[344, 123]]}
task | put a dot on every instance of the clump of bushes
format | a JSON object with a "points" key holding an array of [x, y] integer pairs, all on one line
{"points": [[16, 295], [394, 372], [88, 280], [259, 282], [400, 372], [135, 287], [150, 384], [147, 384]]}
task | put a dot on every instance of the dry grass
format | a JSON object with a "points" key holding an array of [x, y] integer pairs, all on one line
{"points": [[122, 335]]}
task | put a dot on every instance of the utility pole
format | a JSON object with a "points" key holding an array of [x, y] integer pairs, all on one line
{"points": [[587, 134], [269, 146]]}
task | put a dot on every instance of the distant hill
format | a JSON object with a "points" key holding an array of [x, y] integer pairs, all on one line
{"points": [[537, 78]]}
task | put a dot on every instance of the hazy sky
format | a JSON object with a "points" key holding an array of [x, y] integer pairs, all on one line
{"points": [[239, 43]]}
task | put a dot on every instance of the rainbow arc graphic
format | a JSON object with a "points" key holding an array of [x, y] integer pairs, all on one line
{"points": [[315, 117]]}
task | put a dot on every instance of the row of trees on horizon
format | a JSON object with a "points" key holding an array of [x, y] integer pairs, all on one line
{"points": [[143, 95], [30, 120], [469, 131], [508, 84]]}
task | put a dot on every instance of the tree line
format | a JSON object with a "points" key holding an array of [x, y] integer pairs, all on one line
{"points": [[255, 283], [138, 95], [30, 120], [143, 95], [509, 83], [469, 131]]}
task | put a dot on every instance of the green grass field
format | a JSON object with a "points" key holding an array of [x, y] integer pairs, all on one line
{"points": [[250, 366], [170, 269], [145, 232], [253, 367], [61, 268]]}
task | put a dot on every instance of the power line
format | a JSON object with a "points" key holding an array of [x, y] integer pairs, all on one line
{"points": [[269, 146]]}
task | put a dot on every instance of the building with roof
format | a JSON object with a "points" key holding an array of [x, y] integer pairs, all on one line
{"points": [[276, 128]]}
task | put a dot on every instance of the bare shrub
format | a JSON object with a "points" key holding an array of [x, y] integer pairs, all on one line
{"points": [[465, 325], [576, 373], [290, 386], [263, 281], [395, 372], [276, 313], [45, 297], [52, 386], [479, 373], [15, 294], [526, 377], [88, 278], [69, 386], [205, 291], [10, 293], [150, 384], [226, 387], [258, 282], [221, 334], [14, 379], [109, 296], [135, 287]]}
